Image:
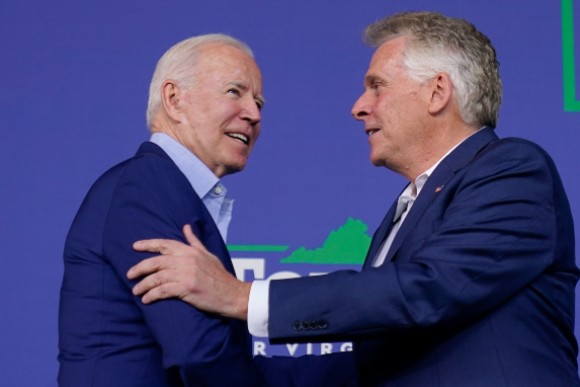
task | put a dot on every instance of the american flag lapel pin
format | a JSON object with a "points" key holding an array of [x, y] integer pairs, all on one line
{"points": [[438, 189]]}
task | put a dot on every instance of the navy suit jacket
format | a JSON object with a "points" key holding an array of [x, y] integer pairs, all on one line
{"points": [[108, 337], [478, 286]]}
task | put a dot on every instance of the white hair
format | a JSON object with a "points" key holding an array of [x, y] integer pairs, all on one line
{"points": [[177, 64], [437, 43]]}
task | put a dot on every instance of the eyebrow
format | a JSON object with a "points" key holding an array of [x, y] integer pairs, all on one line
{"points": [[260, 100], [370, 79]]}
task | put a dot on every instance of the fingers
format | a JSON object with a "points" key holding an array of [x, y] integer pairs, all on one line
{"points": [[161, 292], [180, 272], [145, 267], [154, 245], [168, 246], [150, 282], [158, 280], [164, 246]]}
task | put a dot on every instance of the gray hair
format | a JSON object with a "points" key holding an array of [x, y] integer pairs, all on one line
{"points": [[177, 64], [438, 43]]}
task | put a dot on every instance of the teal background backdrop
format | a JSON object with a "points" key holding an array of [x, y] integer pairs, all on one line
{"points": [[73, 89]]}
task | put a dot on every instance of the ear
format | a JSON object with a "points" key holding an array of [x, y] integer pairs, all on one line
{"points": [[171, 99], [441, 93]]}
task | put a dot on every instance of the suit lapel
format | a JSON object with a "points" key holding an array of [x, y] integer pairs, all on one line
{"points": [[448, 167], [434, 184], [380, 235]]}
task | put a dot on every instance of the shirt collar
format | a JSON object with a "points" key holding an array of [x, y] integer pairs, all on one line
{"points": [[422, 178], [201, 178]]}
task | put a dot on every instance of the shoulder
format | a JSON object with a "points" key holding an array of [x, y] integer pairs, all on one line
{"points": [[149, 176], [515, 154], [516, 148], [150, 165]]}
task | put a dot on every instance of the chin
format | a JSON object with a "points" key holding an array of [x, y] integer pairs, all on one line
{"points": [[376, 161], [231, 169]]}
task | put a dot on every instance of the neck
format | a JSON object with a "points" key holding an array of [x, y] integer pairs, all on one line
{"points": [[436, 146]]}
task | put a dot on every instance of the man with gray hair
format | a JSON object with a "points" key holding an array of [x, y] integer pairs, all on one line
{"points": [[470, 279], [204, 116]]}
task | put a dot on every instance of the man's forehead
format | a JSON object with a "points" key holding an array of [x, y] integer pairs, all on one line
{"points": [[387, 57], [390, 48], [232, 65], [216, 56]]}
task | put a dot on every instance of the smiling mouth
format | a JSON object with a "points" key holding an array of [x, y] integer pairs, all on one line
{"points": [[370, 132], [239, 137]]}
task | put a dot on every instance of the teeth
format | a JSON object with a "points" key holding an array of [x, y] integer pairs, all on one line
{"points": [[239, 136], [371, 132]]}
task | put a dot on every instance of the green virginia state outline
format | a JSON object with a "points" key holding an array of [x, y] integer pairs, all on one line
{"points": [[571, 104], [347, 245]]}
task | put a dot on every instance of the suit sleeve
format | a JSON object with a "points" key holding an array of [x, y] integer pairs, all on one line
{"points": [[489, 234], [153, 200]]}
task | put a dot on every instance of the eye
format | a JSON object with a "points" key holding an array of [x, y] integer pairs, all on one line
{"points": [[259, 104], [375, 83], [234, 91]]}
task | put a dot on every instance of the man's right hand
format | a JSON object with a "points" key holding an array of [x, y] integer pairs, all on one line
{"points": [[190, 273]]}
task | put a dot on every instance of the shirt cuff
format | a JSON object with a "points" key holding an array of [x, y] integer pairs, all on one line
{"points": [[258, 310]]}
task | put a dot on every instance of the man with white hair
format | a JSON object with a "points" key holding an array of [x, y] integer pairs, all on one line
{"points": [[204, 116]]}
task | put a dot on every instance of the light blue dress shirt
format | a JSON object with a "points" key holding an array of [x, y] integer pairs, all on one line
{"points": [[207, 185]]}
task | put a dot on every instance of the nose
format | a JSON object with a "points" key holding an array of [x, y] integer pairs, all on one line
{"points": [[361, 108], [251, 112]]}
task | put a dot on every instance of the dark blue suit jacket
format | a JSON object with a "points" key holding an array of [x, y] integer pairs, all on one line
{"points": [[108, 337], [479, 285]]}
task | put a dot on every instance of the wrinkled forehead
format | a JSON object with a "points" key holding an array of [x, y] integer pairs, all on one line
{"points": [[230, 64], [389, 54], [212, 54]]}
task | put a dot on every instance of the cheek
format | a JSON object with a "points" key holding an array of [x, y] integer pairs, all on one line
{"points": [[384, 110], [227, 109]]}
